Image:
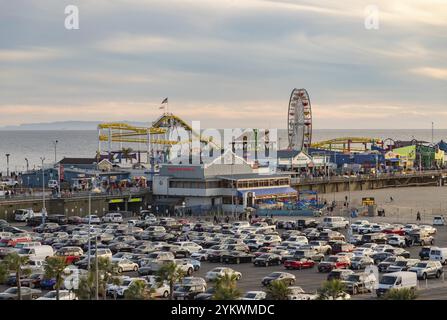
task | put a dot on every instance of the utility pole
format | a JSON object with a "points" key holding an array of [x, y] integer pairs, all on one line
{"points": [[96, 267], [55, 150], [89, 230], [432, 132], [44, 210], [27, 164], [7, 164]]}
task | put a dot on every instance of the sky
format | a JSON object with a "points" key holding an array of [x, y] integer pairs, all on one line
{"points": [[227, 63]]}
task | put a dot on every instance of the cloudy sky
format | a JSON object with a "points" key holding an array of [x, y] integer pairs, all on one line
{"points": [[228, 63]]}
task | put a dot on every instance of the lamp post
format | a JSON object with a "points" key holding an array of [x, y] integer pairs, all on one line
{"points": [[27, 164], [44, 210], [55, 142], [7, 164]]}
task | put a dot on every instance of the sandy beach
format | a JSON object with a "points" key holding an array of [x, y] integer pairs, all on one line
{"points": [[429, 201]]}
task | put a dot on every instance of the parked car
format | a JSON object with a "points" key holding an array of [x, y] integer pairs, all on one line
{"points": [[94, 219], [438, 221], [267, 259], [360, 282], [254, 295], [339, 274], [424, 253], [302, 263], [334, 262], [113, 217], [63, 295], [218, 272], [361, 262], [426, 269], [27, 294], [237, 257], [279, 276]]}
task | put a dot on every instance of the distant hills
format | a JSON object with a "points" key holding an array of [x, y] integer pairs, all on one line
{"points": [[66, 125]]}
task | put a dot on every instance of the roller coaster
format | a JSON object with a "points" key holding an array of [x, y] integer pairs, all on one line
{"points": [[345, 144], [158, 138]]}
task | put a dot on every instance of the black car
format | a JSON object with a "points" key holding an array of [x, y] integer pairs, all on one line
{"points": [[237, 257], [34, 221], [217, 255], [424, 254], [380, 256], [267, 259], [120, 247], [58, 218]]}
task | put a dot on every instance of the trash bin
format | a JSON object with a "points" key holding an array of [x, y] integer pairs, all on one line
{"points": [[372, 210]]}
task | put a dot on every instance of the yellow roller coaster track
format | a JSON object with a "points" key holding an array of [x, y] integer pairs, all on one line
{"points": [[131, 134], [345, 143]]}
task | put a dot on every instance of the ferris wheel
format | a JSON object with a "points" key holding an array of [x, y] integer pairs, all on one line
{"points": [[299, 120]]}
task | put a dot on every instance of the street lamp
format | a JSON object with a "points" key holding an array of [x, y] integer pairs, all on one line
{"points": [[27, 164], [7, 164], [55, 150], [44, 210]]}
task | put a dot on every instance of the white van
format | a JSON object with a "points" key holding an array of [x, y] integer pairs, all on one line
{"points": [[37, 253], [335, 223], [397, 280], [113, 217], [23, 214], [438, 254]]}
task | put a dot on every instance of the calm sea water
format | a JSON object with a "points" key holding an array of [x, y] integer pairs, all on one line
{"points": [[35, 144]]}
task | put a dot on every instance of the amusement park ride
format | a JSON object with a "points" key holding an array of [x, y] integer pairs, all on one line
{"points": [[158, 139]]}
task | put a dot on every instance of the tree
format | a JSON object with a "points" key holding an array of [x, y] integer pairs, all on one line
{"points": [[15, 263], [107, 274], [127, 154], [278, 290], [55, 268], [400, 294], [332, 290], [226, 288], [171, 273], [138, 290]]}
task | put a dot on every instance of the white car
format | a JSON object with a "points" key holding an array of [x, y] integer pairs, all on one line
{"points": [[295, 241], [410, 227], [63, 295], [360, 252], [52, 184], [359, 223], [297, 293], [158, 290], [201, 255], [396, 240], [190, 246], [113, 217], [382, 248], [120, 289], [429, 229], [124, 265], [93, 219], [218, 272], [438, 221], [254, 295]]}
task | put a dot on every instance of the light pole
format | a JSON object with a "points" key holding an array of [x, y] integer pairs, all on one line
{"points": [[27, 164], [44, 210], [55, 142], [7, 164]]}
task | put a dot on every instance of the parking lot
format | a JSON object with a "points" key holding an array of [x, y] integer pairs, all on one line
{"points": [[310, 280]]}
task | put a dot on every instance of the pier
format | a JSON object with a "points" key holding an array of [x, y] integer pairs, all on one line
{"points": [[368, 182]]}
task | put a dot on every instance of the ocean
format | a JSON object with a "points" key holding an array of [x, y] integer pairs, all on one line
{"points": [[36, 144]]}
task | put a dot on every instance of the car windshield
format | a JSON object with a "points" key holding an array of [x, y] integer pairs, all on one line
{"points": [[11, 290], [264, 256], [401, 263], [250, 295], [332, 259], [354, 278], [421, 265], [387, 280], [126, 282], [275, 275], [357, 258], [51, 294]]}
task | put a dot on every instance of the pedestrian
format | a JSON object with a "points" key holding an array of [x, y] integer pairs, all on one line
{"points": [[391, 199], [418, 216]]}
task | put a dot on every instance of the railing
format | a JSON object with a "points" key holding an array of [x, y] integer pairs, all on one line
{"points": [[362, 177]]}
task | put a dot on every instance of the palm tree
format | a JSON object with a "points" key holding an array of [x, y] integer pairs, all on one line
{"points": [[138, 291], [400, 294], [55, 268], [127, 154], [171, 273], [278, 290], [226, 288], [332, 290], [86, 288], [15, 263], [107, 272]]}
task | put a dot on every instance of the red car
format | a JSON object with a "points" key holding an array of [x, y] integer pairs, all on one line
{"points": [[302, 263], [393, 230], [334, 262]]}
